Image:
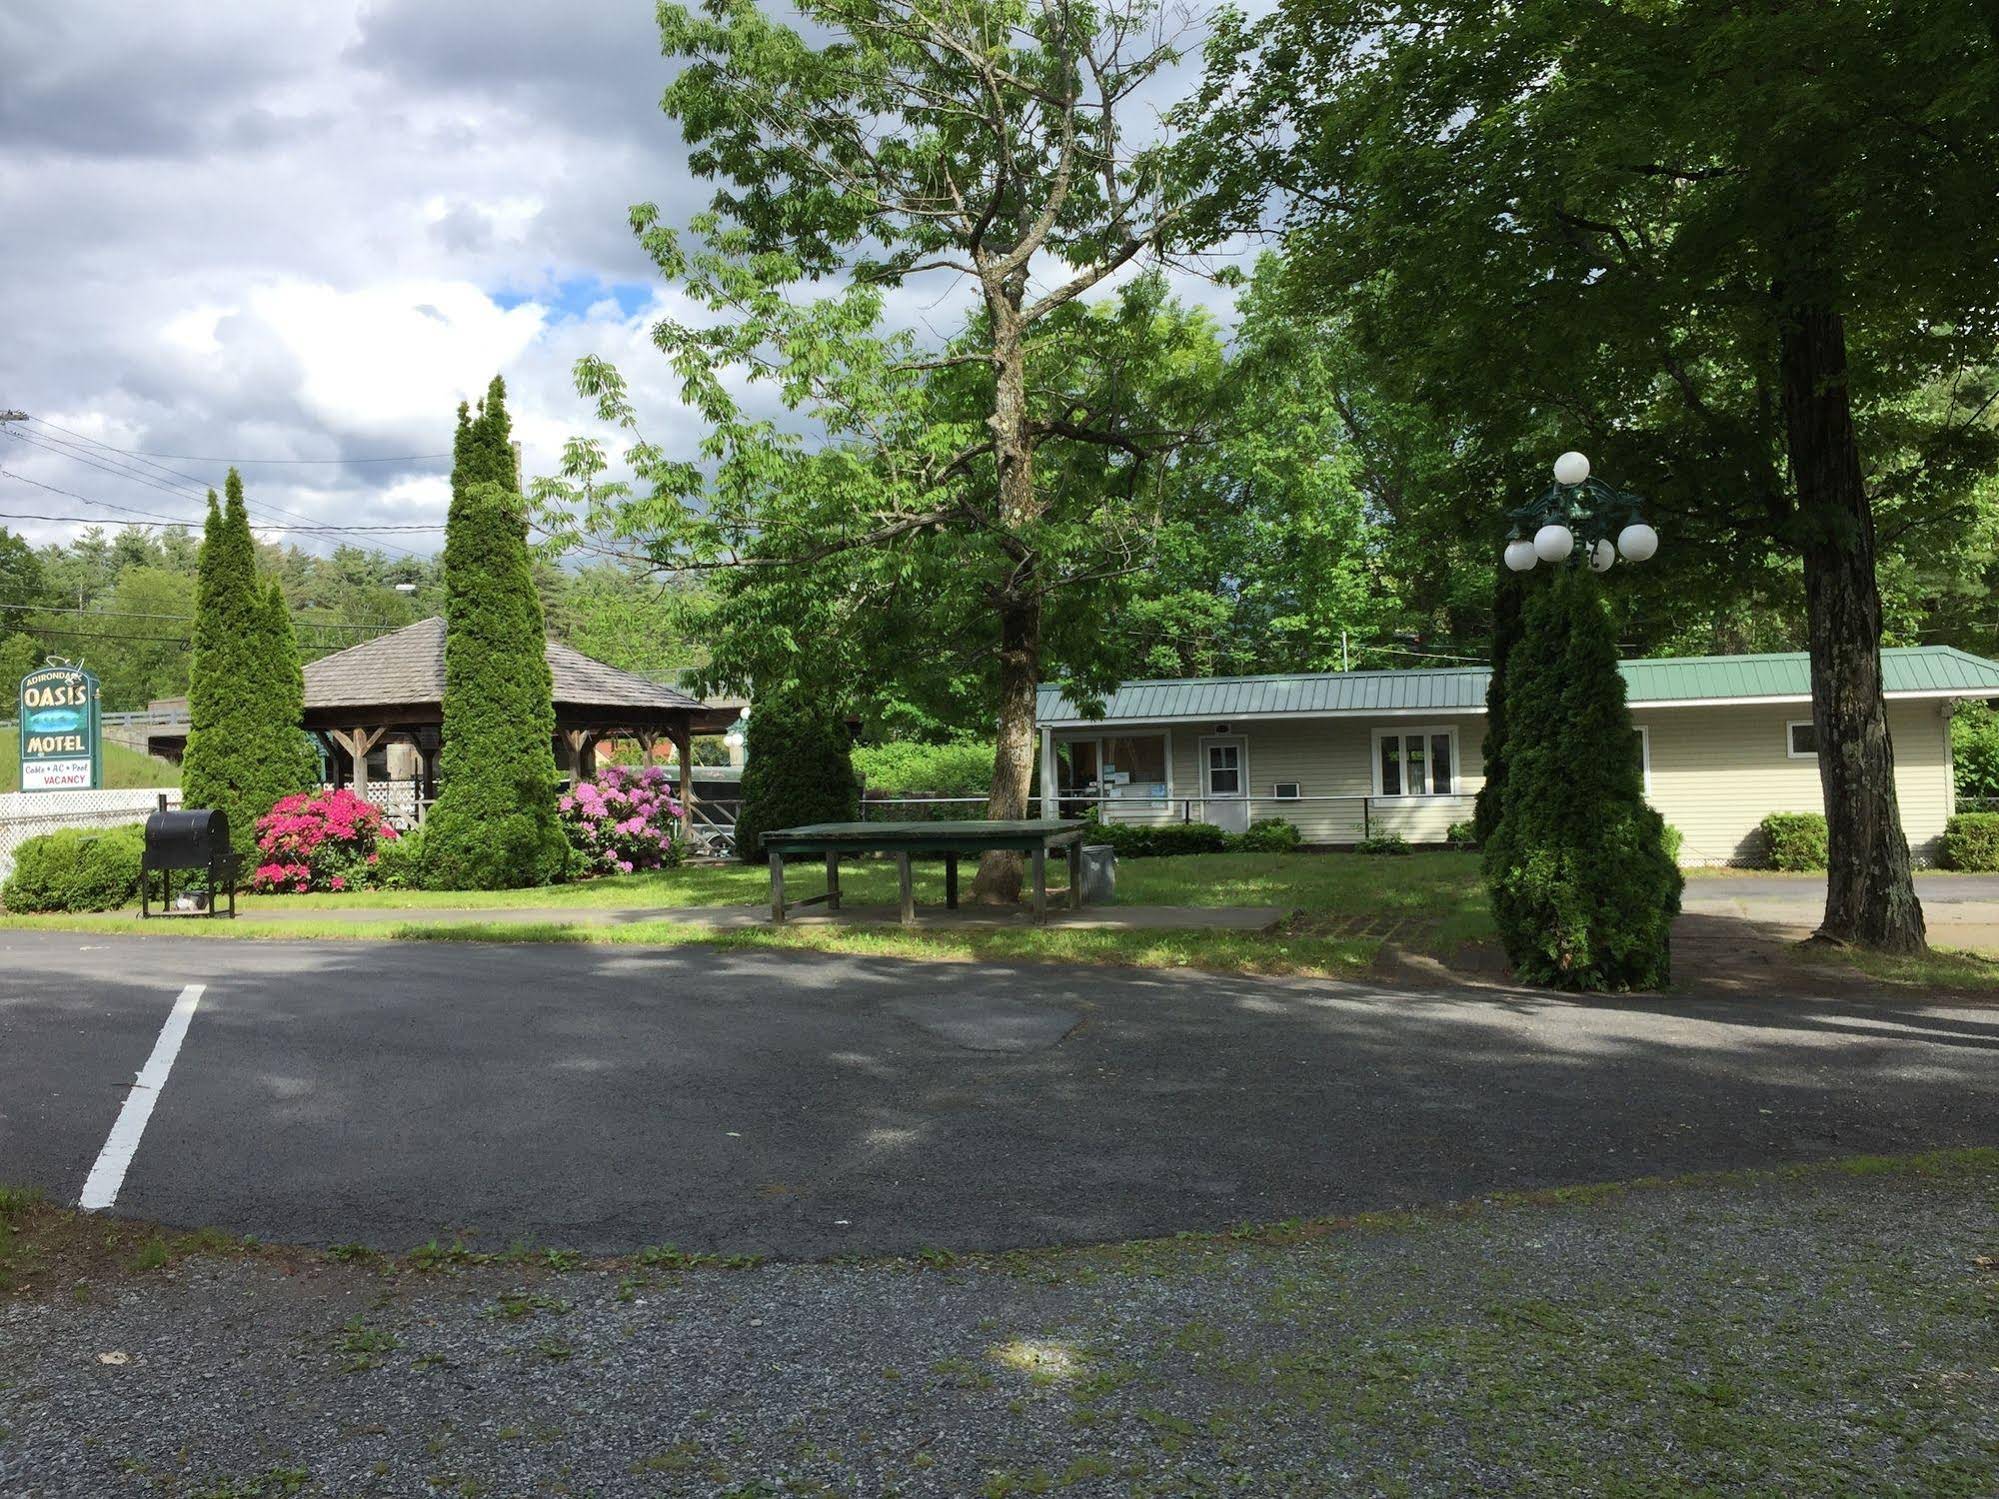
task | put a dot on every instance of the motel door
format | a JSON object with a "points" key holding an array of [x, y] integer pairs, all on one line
{"points": [[1225, 781]]}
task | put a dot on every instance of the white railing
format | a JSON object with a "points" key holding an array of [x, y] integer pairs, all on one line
{"points": [[714, 826], [29, 814], [1349, 818]]}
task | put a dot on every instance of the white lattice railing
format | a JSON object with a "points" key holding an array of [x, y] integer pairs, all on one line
{"points": [[29, 814]]}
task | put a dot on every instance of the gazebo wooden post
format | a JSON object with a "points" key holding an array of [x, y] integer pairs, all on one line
{"points": [[357, 742], [573, 741], [683, 750]]}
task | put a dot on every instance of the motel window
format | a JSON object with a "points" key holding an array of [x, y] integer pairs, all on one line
{"points": [[1803, 739], [1136, 760], [1415, 762]]}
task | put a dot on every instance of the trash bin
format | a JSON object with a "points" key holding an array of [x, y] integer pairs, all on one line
{"points": [[191, 840], [1099, 875]]}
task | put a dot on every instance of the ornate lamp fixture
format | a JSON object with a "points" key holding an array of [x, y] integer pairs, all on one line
{"points": [[1578, 509]]}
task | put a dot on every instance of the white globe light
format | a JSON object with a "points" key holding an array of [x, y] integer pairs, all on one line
{"points": [[1637, 541], [1571, 468], [1520, 556], [1601, 556], [1553, 542]]}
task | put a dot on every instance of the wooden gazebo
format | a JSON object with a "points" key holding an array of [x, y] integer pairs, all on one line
{"points": [[392, 688]]}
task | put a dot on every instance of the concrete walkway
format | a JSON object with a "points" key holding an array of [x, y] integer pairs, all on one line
{"points": [[1096, 918]]}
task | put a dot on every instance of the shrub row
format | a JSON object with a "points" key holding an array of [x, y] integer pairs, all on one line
{"points": [[902, 768], [1794, 841], [1971, 842], [1130, 840], [76, 869]]}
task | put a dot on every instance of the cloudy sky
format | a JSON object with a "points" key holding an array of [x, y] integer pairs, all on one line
{"points": [[251, 230]]}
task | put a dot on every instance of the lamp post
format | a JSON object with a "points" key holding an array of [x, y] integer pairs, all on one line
{"points": [[1579, 519]]}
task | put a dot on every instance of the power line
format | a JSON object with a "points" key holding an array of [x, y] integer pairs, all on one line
{"points": [[134, 472], [95, 613], [89, 460], [98, 520], [92, 635], [199, 458], [151, 515]]}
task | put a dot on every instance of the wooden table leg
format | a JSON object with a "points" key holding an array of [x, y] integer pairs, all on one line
{"points": [[1076, 876], [777, 889], [1040, 886], [832, 882], [908, 890], [950, 882]]}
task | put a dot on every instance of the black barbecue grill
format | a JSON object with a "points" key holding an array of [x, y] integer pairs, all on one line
{"points": [[192, 840]]}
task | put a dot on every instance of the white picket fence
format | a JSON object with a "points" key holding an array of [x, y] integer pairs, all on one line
{"points": [[29, 814]]}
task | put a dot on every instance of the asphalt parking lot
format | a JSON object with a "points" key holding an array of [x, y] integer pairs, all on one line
{"points": [[804, 1106]]}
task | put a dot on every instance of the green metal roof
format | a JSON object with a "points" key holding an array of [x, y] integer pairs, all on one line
{"points": [[1911, 671]]}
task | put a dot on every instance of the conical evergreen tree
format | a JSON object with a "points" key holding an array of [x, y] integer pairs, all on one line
{"points": [[1582, 888], [290, 750], [495, 824], [246, 692], [1509, 602], [799, 768]]}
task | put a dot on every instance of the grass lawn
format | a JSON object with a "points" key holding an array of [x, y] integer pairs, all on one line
{"points": [[1346, 906], [124, 769]]}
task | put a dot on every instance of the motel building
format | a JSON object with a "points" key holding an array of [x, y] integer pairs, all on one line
{"points": [[1724, 740]]}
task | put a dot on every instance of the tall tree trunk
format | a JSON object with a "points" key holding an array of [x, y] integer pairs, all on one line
{"points": [[1019, 601], [998, 881], [1870, 896]]}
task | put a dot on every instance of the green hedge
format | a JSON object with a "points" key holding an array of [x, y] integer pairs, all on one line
{"points": [[1267, 835], [1142, 841], [76, 869], [903, 768], [1794, 841], [1971, 842]]}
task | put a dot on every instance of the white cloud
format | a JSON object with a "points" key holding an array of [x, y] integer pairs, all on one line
{"points": [[371, 357]]}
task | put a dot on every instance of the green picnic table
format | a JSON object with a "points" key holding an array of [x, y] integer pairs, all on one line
{"points": [[1035, 837]]}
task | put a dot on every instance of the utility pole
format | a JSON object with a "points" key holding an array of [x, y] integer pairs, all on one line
{"points": [[13, 416]]}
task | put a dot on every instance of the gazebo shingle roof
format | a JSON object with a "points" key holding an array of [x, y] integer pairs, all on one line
{"points": [[407, 666]]}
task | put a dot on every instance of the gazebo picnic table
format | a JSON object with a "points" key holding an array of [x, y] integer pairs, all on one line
{"points": [[1035, 837]]}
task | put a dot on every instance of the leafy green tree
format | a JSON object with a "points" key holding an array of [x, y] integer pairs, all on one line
{"points": [[22, 584], [798, 768], [495, 824], [20, 653], [144, 653], [1974, 750], [619, 613], [1583, 890], [245, 745], [882, 144], [1723, 248]]}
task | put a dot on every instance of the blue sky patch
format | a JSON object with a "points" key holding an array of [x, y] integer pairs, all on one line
{"points": [[570, 299]]}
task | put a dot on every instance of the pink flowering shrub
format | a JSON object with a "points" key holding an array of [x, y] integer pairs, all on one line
{"points": [[324, 842], [626, 819]]}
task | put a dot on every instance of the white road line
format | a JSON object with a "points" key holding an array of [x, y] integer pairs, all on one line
{"points": [[108, 1175]]}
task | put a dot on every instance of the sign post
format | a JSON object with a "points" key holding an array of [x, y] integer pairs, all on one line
{"points": [[62, 730]]}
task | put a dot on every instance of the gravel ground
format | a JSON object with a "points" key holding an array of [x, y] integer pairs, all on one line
{"points": [[1830, 1330]]}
